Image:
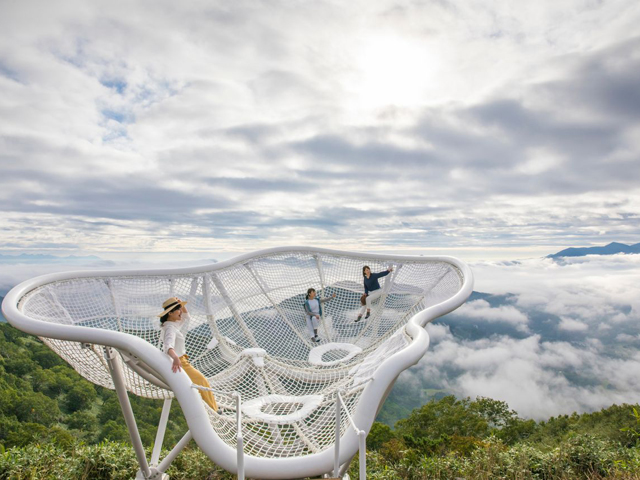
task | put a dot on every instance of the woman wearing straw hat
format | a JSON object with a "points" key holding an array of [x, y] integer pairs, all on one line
{"points": [[173, 320]]}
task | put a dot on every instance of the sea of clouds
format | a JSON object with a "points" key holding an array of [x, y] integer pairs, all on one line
{"points": [[552, 337]]}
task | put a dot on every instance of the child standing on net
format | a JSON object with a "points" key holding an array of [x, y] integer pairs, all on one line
{"points": [[313, 309]]}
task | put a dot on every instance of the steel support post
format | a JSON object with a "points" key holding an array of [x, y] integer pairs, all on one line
{"points": [[164, 464], [162, 427], [239, 439], [336, 459], [362, 440], [127, 412]]}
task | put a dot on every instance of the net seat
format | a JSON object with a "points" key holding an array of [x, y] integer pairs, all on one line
{"points": [[248, 335], [282, 409]]}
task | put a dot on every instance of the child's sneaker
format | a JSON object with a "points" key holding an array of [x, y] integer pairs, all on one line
{"points": [[367, 315]]}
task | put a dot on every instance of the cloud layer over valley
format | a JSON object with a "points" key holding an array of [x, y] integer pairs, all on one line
{"points": [[551, 338]]}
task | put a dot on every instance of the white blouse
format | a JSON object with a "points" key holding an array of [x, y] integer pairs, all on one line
{"points": [[314, 305], [172, 336]]}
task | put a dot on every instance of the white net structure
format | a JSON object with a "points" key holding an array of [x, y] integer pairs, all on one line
{"points": [[247, 333]]}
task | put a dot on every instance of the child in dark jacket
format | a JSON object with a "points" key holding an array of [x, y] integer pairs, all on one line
{"points": [[371, 288]]}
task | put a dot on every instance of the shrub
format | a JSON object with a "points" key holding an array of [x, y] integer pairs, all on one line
{"points": [[106, 461]]}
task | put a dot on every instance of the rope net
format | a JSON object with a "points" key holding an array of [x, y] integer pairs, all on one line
{"points": [[248, 334]]}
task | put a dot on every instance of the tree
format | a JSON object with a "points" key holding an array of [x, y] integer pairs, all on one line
{"points": [[496, 412], [110, 410], [81, 396], [45, 357], [503, 422], [447, 416], [57, 379], [379, 434], [114, 431], [37, 408], [85, 425]]}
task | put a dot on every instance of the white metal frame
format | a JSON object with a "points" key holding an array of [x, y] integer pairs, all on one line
{"points": [[197, 419], [362, 440]]}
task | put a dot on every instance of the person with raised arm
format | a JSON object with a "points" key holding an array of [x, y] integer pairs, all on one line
{"points": [[174, 320], [372, 288]]}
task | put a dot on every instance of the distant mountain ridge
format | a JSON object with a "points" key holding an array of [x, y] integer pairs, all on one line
{"points": [[610, 249]]}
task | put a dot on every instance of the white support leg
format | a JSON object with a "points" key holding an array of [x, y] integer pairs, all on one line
{"points": [[336, 459], [239, 436], [321, 294], [162, 427], [174, 453], [127, 412], [362, 440]]}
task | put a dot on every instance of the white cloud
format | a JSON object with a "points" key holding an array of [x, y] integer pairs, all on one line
{"points": [[438, 331], [572, 325], [626, 338], [580, 355], [529, 374], [481, 310], [377, 125], [590, 290]]}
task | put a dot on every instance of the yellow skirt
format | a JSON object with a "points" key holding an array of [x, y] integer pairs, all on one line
{"points": [[197, 378]]}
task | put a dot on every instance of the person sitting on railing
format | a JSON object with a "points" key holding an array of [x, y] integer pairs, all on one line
{"points": [[371, 288], [174, 319], [313, 309]]}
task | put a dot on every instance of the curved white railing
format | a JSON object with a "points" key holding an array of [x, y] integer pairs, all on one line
{"points": [[197, 418]]}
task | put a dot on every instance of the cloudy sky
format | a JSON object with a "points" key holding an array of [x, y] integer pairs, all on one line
{"points": [[498, 132], [497, 129]]}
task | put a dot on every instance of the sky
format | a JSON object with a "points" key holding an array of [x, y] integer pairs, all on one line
{"points": [[487, 130], [499, 132]]}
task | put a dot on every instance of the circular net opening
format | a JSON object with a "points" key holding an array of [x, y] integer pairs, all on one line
{"points": [[333, 355], [281, 408]]}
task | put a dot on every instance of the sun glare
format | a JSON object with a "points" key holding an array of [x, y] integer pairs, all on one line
{"points": [[395, 71]]}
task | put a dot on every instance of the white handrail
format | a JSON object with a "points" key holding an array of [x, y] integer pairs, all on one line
{"points": [[362, 439]]}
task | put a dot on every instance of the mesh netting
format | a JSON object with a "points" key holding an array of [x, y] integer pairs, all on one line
{"points": [[248, 334]]}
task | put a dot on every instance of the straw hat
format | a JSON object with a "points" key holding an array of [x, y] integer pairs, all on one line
{"points": [[171, 303]]}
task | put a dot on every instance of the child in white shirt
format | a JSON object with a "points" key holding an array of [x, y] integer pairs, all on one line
{"points": [[313, 309]]}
